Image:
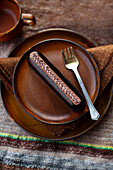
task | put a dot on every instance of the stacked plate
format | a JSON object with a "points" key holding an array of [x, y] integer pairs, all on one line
{"points": [[35, 106]]}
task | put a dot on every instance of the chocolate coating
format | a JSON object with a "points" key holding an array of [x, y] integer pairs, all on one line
{"points": [[56, 81]]}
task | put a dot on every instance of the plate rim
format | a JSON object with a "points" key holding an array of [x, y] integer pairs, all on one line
{"points": [[47, 138], [57, 139], [33, 115]]}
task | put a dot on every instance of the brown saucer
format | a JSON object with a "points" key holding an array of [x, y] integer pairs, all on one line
{"points": [[35, 127], [37, 98]]}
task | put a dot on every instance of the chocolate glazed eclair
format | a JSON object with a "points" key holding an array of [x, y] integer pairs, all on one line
{"points": [[53, 77]]}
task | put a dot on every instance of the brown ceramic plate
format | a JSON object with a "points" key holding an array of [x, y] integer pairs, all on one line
{"points": [[36, 127], [37, 98]]}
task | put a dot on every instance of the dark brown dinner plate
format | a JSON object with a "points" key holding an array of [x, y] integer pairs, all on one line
{"points": [[36, 127], [37, 98]]}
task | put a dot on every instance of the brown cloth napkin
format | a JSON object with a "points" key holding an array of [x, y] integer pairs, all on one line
{"points": [[7, 66], [102, 55]]}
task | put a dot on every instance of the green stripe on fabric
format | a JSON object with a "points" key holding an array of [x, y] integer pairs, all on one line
{"points": [[28, 138]]}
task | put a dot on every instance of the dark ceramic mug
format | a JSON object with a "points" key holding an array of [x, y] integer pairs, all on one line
{"points": [[12, 19]]}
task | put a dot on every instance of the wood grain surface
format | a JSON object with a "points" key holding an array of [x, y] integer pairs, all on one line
{"points": [[91, 18]]}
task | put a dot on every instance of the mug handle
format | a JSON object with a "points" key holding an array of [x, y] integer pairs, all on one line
{"points": [[28, 19]]}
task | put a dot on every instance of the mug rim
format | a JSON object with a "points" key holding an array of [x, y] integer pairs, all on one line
{"points": [[12, 28]]}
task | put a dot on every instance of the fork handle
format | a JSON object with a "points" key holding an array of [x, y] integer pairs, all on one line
{"points": [[93, 112]]}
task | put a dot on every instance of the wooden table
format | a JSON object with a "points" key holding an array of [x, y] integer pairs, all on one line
{"points": [[93, 19]]}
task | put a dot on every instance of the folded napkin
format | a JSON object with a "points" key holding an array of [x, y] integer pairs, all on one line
{"points": [[102, 55], [7, 66]]}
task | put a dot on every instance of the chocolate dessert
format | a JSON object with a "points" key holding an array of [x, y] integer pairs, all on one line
{"points": [[56, 80]]}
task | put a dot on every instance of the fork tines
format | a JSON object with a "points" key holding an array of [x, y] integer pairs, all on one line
{"points": [[68, 54]]}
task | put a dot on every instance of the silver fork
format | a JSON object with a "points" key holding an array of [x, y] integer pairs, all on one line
{"points": [[71, 62]]}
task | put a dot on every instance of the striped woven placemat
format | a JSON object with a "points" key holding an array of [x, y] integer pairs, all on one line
{"points": [[92, 150]]}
